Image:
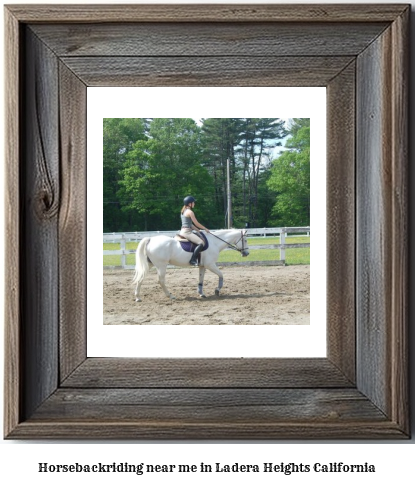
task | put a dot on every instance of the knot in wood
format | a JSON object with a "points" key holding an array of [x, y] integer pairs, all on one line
{"points": [[46, 204]]}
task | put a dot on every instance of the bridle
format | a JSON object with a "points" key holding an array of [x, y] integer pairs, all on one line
{"points": [[233, 246]]}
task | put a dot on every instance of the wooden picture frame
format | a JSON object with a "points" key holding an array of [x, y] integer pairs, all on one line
{"points": [[359, 391]]}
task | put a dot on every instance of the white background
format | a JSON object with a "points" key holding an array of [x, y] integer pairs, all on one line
{"points": [[218, 341], [393, 460]]}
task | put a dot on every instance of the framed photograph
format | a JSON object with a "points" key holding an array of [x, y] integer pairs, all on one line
{"points": [[359, 390], [260, 297]]}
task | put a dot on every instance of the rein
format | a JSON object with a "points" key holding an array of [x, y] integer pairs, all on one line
{"points": [[232, 246]]}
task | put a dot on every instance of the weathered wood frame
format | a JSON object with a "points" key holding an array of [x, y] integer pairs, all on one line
{"points": [[359, 52]]}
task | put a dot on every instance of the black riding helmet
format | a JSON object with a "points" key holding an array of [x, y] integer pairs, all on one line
{"points": [[188, 200]]}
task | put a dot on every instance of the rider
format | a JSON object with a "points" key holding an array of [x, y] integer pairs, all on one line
{"points": [[190, 222]]}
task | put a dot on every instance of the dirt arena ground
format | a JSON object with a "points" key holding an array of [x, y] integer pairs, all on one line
{"points": [[250, 295]]}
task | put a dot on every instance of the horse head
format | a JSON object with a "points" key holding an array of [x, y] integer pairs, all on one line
{"points": [[242, 243]]}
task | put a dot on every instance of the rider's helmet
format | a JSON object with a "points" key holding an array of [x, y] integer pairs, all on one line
{"points": [[188, 200]]}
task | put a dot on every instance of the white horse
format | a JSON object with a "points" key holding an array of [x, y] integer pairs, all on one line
{"points": [[161, 250]]}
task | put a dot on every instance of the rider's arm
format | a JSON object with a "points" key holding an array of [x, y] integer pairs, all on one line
{"points": [[195, 221]]}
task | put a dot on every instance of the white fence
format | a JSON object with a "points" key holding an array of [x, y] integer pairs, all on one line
{"points": [[280, 232]]}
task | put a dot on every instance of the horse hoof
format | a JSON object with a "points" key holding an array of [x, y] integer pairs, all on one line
{"points": [[217, 292], [138, 299], [202, 296], [172, 297]]}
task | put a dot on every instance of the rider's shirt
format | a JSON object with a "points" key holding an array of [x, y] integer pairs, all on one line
{"points": [[186, 221]]}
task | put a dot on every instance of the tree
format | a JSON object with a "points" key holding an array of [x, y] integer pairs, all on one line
{"points": [[247, 144], [290, 178], [119, 136], [259, 137], [151, 164], [160, 171], [220, 137]]}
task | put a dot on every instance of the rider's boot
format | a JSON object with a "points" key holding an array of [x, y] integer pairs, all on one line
{"points": [[196, 252]]}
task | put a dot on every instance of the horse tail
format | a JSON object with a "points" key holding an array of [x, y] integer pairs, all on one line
{"points": [[141, 262]]}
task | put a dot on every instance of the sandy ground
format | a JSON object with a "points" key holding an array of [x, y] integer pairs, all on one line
{"points": [[250, 295]]}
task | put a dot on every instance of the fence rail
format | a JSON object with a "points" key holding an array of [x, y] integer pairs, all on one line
{"points": [[281, 232]]}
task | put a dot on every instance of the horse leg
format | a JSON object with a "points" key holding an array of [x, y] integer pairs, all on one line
{"points": [[139, 283], [212, 267], [162, 278], [137, 289], [202, 270]]}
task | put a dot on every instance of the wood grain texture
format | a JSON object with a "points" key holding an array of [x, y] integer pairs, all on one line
{"points": [[206, 373], [53, 391], [72, 222], [382, 223], [399, 225], [206, 71], [341, 236], [209, 405], [182, 39], [213, 431], [373, 223], [209, 414], [12, 371], [39, 256], [207, 13]]}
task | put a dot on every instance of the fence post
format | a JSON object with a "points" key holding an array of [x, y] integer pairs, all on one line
{"points": [[123, 256], [282, 242]]}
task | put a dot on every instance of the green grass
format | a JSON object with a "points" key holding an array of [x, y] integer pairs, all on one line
{"points": [[293, 256]]}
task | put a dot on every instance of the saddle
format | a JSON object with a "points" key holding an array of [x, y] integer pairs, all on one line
{"points": [[190, 246]]}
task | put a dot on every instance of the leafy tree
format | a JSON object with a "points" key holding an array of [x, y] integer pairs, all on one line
{"points": [[119, 135], [151, 164], [162, 170], [290, 178]]}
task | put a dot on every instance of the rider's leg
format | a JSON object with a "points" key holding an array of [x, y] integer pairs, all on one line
{"points": [[196, 240], [196, 252]]}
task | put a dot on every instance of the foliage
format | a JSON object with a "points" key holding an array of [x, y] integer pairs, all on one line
{"points": [[290, 178], [248, 144], [150, 165], [163, 169], [119, 135]]}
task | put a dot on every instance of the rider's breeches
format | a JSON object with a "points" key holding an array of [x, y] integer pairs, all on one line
{"points": [[185, 232]]}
